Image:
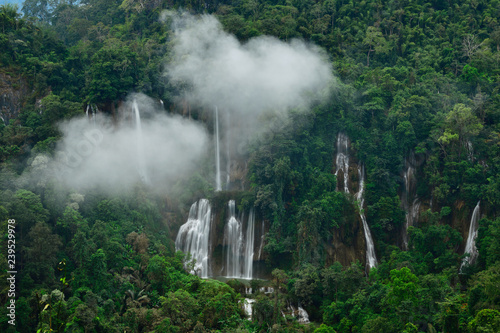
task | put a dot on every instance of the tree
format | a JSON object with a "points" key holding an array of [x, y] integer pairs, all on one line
{"points": [[375, 42], [486, 321], [41, 252], [402, 294], [460, 125]]}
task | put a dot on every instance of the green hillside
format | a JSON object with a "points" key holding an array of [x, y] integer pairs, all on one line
{"points": [[109, 135]]}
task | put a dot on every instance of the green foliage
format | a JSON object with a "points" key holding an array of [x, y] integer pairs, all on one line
{"points": [[412, 76], [486, 320]]}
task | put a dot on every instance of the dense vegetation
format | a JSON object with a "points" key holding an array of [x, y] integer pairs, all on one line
{"points": [[413, 76]]}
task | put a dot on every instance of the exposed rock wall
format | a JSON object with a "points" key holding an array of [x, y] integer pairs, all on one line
{"points": [[13, 91]]}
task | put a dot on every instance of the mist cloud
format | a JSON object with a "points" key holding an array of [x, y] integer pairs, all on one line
{"points": [[112, 157], [262, 74]]}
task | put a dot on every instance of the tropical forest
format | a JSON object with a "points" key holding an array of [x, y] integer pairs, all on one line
{"points": [[317, 166]]}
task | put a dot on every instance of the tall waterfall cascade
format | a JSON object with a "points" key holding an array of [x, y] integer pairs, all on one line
{"points": [[140, 144], [194, 237], [228, 154], [371, 259], [249, 246], [240, 250], [470, 246], [218, 185], [410, 200], [342, 159], [342, 164]]}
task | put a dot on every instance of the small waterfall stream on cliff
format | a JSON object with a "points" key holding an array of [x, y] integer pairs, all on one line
{"points": [[193, 236], [470, 246], [342, 159], [140, 145], [218, 185], [371, 259], [411, 203], [261, 239]]}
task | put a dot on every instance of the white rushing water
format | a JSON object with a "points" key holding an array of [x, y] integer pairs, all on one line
{"points": [[303, 316], [249, 247], [371, 259], [234, 242], [247, 305], [240, 249], [94, 115], [218, 185], [228, 154], [261, 239], [470, 246], [342, 159], [193, 236], [410, 200], [141, 166], [299, 313]]}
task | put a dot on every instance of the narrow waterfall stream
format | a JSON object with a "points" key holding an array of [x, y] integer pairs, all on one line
{"points": [[371, 259], [342, 159], [470, 246], [342, 164], [410, 200], [218, 185], [141, 166], [249, 247]]}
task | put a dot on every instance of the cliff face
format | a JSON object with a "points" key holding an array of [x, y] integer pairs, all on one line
{"points": [[13, 91]]}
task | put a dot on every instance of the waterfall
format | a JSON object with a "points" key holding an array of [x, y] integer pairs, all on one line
{"points": [[470, 246], [140, 145], [249, 250], [410, 201], [303, 315], [342, 159], [218, 186], [234, 238], [228, 156], [470, 150], [261, 239], [240, 250], [94, 114], [87, 112], [193, 236], [247, 306], [371, 259]]}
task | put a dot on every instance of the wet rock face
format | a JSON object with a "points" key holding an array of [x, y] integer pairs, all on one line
{"points": [[13, 90]]}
